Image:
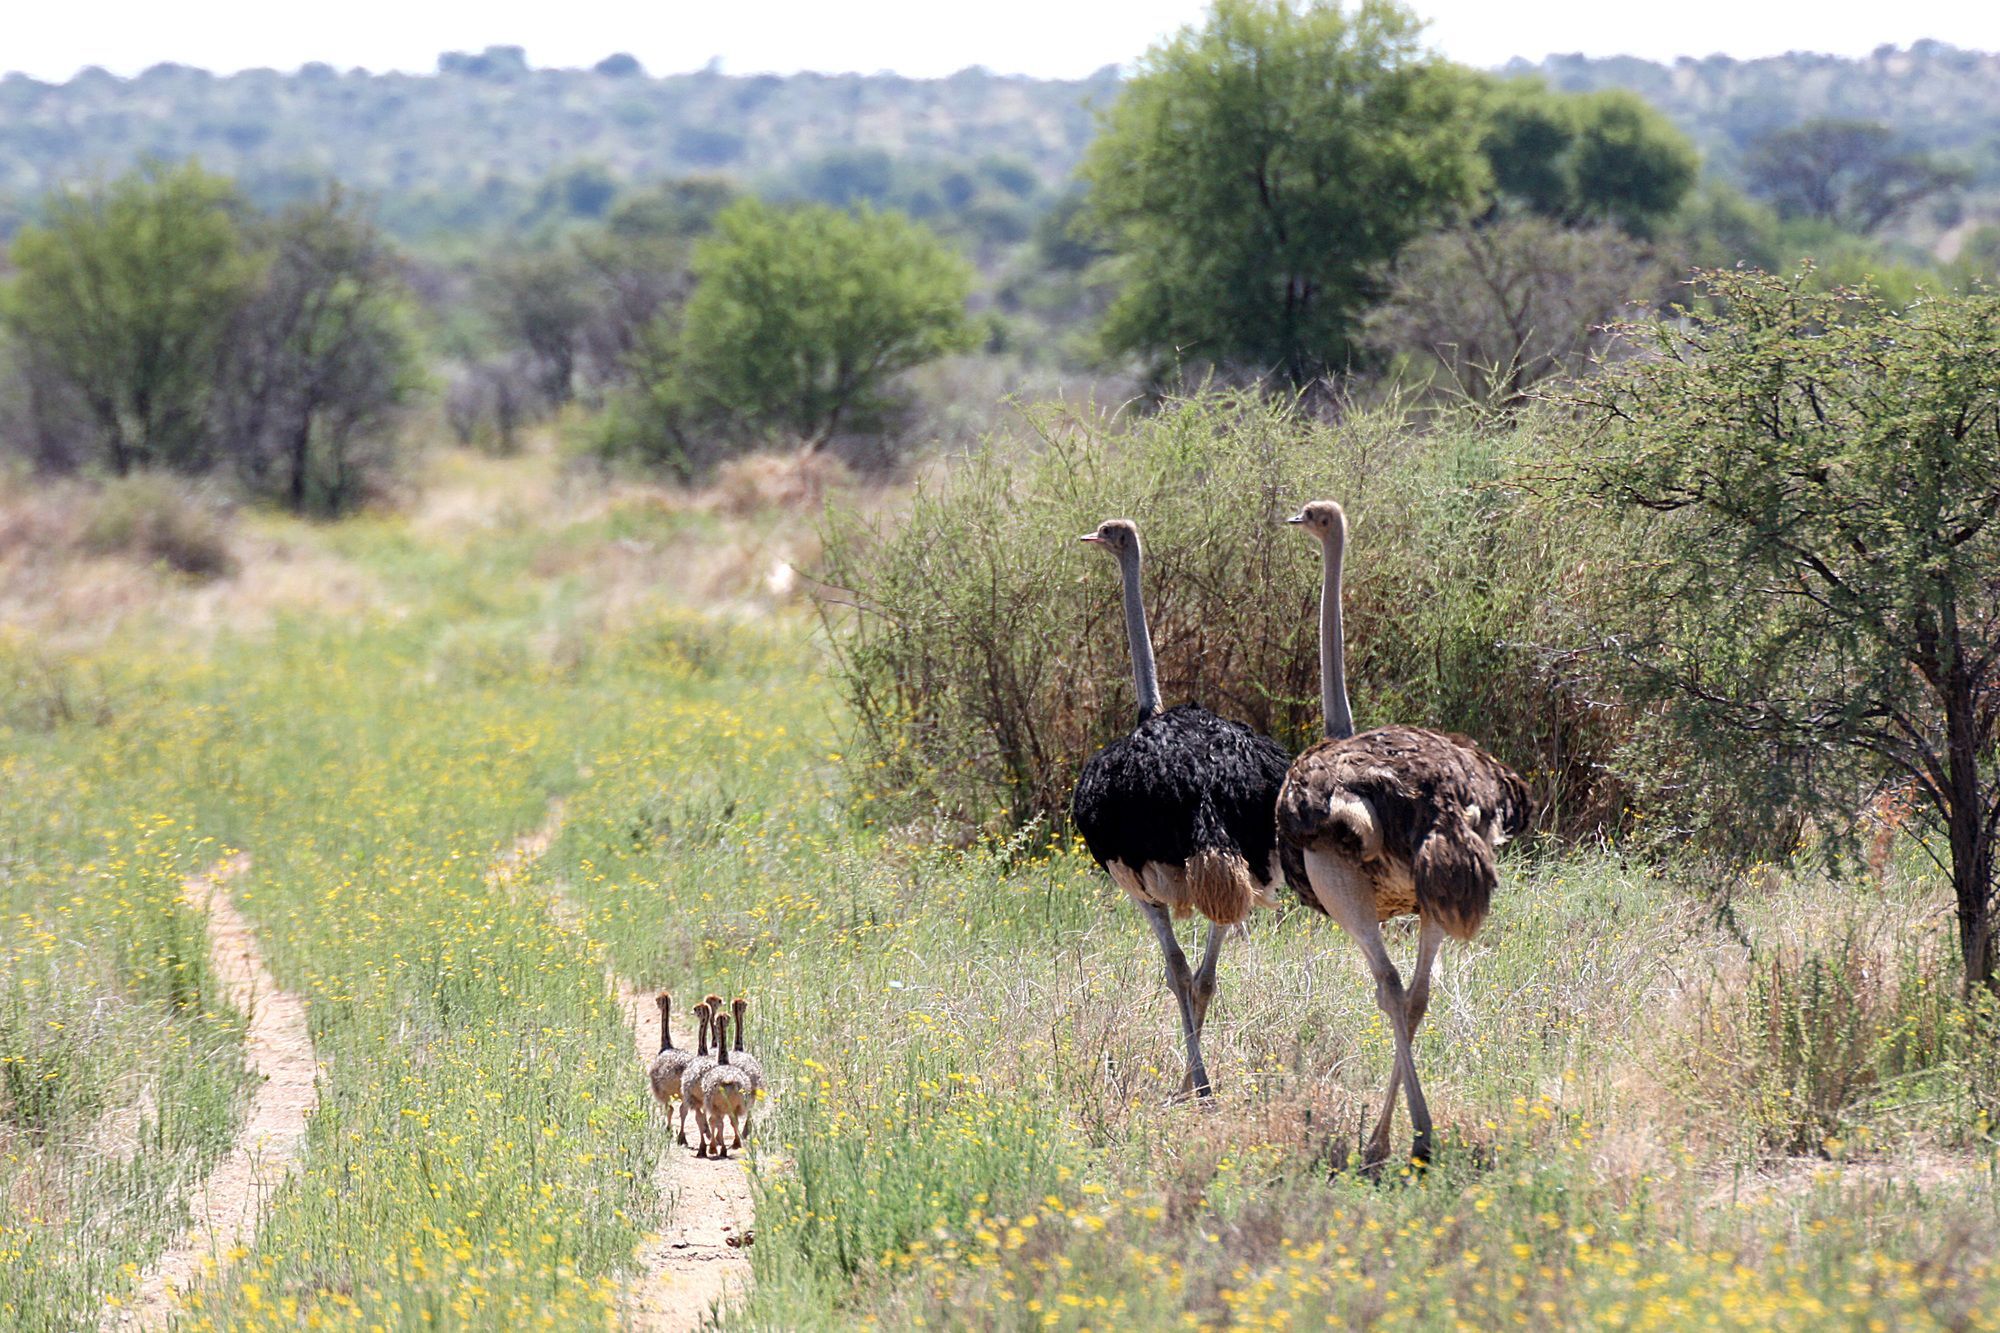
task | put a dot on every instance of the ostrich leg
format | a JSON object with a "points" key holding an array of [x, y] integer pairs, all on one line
{"points": [[1349, 898], [1418, 1000], [1204, 976], [1180, 980]]}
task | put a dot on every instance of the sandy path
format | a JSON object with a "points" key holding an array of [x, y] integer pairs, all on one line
{"points": [[278, 1049], [696, 1264]]}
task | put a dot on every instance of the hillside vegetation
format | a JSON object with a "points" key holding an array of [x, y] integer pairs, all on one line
{"points": [[478, 141], [474, 142]]}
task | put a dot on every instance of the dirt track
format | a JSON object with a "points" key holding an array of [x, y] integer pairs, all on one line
{"points": [[697, 1262], [278, 1048]]}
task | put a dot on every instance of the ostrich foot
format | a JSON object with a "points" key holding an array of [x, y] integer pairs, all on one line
{"points": [[1192, 1090]]}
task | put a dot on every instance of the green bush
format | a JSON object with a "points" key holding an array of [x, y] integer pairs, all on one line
{"points": [[989, 659], [1825, 1046], [156, 519]]}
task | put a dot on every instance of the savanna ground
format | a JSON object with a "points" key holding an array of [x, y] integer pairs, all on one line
{"points": [[1665, 1102]]}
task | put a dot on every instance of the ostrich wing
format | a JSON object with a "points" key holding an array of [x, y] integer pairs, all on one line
{"points": [[1434, 803], [1184, 781]]}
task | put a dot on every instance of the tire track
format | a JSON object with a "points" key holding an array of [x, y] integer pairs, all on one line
{"points": [[230, 1200]]}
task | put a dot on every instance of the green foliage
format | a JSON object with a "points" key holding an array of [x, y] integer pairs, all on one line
{"points": [[1851, 173], [1604, 156], [1256, 172], [321, 361], [799, 323], [1801, 495], [160, 324], [989, 658], [126, 294]]}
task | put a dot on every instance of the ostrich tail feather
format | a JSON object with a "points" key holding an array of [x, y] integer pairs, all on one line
{"points": [[1220, 885], [1455, 876]]}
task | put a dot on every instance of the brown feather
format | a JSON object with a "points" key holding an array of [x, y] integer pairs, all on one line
{"points": [[1431, 805]]}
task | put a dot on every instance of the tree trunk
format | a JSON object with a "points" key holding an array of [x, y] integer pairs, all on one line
{"points": [[301, 461], [1970, 838]]}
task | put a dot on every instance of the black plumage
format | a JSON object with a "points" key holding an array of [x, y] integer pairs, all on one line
{"points": [[1185, 781]]}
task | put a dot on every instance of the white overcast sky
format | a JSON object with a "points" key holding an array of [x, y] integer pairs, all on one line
{"points": [[916, 37]]}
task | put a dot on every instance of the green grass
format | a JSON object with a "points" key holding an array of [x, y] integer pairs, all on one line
{"points": [[971, 1047]]}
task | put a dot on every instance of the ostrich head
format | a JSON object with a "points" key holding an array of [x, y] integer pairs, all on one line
{"points": [[701, 1013], [663, 1000], [1120, 536], [1323, 519], [736, 1007]]}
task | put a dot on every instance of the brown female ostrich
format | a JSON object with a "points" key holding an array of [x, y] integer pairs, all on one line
{"points": [[1394, 821]]}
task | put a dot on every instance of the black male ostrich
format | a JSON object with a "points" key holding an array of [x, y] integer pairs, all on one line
{"points": [[1393, 821], [1181, 814]]}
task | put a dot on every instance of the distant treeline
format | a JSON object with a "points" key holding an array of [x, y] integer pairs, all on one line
{"points": [[475, 142], [490, 142]]}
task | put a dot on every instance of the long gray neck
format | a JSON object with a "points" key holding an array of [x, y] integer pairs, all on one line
{"points": [[1144, 677], [1332, 646]]}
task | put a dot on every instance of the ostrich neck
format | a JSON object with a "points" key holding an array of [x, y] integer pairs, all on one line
{"points": [[1144, 676], [1332, 647]]}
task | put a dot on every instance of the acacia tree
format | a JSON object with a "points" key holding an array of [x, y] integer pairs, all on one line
{"points": [[124, 295], [1256, 173], [320, 360], [1852, 173], [1502, 306], [542, 303], [1807, 488]]}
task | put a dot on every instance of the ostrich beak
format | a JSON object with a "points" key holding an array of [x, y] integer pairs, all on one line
{"points": [[1297, 518], [1090, 537]]}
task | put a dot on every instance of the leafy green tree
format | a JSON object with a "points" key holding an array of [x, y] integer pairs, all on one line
{"points": [[321, 360], [1807, 494], [1590, 157], [800, 319], [541, 302], [1851, 173], [125, 294], [1256, 172]]}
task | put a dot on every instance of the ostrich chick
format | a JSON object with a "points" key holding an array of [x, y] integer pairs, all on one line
{"points": [[691, 1075], [725, 1096], [665, 1070], [741, 1058]]}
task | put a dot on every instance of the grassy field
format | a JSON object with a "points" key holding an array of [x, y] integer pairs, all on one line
{"points": [[1658, 1111]]}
